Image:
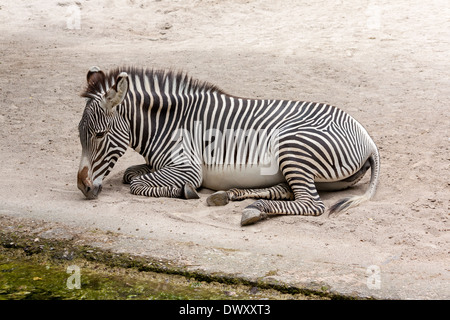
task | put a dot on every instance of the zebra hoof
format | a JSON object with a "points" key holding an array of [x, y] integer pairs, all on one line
{"points": [[189, 192], [219, 198], [250, 216]]}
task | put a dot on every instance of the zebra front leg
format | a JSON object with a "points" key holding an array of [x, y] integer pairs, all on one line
{"points": [[135, 171], [167, 182], [279, 192], [187, 191]]}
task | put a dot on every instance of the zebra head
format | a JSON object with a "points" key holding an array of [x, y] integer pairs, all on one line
{"points": [[104, 134]]}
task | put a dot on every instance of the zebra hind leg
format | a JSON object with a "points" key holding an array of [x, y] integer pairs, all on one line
{"points": [[279, 192], [261, 209], [135, 171], [306, 202]]}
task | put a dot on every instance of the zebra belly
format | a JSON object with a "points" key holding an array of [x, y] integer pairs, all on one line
{"points": [[230, 176]]}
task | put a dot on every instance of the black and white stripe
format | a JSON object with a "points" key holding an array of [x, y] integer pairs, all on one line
{"points": [[192, 134]]}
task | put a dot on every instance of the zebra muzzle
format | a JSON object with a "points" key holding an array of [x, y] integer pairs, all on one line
{"points": [[86, 186]]}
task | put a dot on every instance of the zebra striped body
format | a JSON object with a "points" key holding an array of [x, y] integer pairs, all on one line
{"points": [[192, 134]]}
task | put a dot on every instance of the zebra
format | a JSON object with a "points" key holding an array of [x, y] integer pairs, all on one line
{"points": [[192, 134]]}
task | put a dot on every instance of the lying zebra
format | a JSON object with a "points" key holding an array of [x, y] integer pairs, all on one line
{"points": [[192, 134]]}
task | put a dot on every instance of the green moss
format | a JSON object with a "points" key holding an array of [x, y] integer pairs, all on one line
{"points": [[36, 277], [31, 269], [25, 277]]}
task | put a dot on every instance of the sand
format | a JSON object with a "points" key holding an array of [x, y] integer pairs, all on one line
{"points": [[386, 63]]}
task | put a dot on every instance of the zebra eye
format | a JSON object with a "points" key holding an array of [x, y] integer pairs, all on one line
{"points": [[100, 135]]}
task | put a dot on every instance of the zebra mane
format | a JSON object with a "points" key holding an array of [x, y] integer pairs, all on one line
{"points": [[100, 82]]}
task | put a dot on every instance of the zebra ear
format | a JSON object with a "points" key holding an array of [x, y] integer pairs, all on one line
{"points": [[117, 92], [93, 73]]}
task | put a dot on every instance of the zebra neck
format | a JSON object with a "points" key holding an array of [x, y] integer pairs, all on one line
{"points": [[153, 118]]}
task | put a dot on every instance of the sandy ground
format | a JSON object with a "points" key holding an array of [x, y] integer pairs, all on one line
{"points": [[384, 62]]}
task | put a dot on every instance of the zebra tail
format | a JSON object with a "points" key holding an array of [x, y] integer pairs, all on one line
{"points": [[351, 202]]}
